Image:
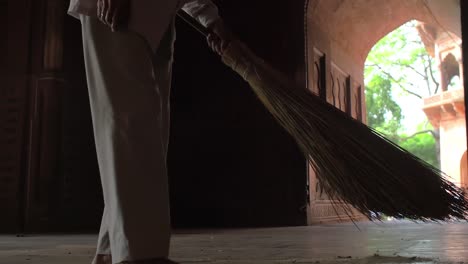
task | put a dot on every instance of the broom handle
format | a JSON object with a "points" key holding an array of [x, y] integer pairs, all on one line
{"points": [[193, 22]]}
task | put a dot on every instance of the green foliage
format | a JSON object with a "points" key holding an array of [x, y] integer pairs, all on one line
{"points": [[401, 57], [383, 113], [422, 146], [399, 62]]}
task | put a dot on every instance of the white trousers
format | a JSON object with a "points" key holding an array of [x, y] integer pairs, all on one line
{"points": [[129, 88]]}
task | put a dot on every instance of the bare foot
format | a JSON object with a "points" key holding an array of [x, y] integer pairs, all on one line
{"points": [[150, 261], [102, 259]]}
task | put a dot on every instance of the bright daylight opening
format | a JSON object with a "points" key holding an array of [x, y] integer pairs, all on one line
{"points": [[414, 94]]}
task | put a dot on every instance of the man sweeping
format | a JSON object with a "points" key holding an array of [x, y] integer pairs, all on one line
{"points": [[128, 51]]}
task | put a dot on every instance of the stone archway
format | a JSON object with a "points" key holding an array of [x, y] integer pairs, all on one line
{"points": [[339, 36], [352, 28]]}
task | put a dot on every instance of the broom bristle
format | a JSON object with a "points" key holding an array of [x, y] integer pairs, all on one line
{"points": [[354, 164]]}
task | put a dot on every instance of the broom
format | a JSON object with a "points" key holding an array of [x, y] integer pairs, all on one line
{"points": [[355, 165]]}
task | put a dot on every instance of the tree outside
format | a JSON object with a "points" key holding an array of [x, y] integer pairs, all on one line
{"points": [[398, 74]]}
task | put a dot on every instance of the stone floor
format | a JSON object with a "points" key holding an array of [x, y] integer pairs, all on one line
{"points": [[389, 242]]}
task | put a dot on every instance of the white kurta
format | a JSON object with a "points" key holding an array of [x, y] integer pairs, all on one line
{"points": [[129, 77], [150, 18]]}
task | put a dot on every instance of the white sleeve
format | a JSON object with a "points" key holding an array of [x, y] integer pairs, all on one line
{"points": [[203, 10]]}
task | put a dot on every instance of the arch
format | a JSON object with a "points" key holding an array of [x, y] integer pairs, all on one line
{"points": [[339, 36], [450, 69], [450, 59], [356, 26], [464, 171]]}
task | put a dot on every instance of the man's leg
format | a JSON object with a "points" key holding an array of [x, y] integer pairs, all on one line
{"points": [[126, 110], [162, 63], [103, 251]]}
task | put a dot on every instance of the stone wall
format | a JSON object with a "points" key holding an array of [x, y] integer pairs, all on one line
{"points": [[10, 120], [13, 99], [452, 146]]}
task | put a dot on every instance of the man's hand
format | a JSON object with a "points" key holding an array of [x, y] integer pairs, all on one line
{"points": [[113, 13], [220, 38]]}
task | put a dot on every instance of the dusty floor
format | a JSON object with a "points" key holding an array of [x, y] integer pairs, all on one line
{"points": [[390, 242]]}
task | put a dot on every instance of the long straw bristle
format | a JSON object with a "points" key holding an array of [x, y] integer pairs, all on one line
{"points": [[355, 164]]}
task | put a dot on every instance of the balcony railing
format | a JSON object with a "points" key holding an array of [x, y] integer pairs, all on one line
{"points": [[457, 95], [445, 106]]}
